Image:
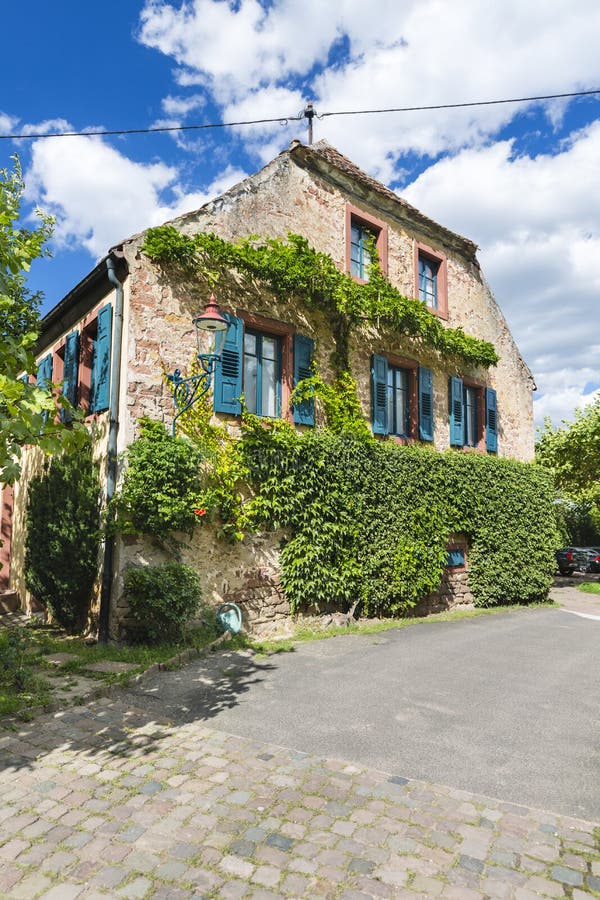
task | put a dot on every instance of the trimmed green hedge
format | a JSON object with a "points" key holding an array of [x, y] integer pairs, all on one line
{"points": [[372, 519]]}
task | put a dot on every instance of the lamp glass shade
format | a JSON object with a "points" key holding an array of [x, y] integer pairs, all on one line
{"points": [[211, 319]]}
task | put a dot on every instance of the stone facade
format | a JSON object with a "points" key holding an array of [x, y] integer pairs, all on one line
{"points": [[312, 191]]}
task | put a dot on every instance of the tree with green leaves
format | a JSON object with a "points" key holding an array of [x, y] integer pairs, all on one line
{"points": [[572, 452], [27, 412]]}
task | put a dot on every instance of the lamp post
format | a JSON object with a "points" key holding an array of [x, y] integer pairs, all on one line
{"points": [[186, 391]]}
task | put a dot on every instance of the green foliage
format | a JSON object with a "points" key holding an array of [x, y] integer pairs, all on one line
{"points": [[572, 452], [343, 412], [27, 413], [161, 484], [578, 522], [63, 537], [14, 671], [292, 267], [221, 469], [162, 599], [370, 520]]}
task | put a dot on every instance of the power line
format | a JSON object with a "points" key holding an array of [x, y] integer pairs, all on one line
{"points": [[283, 120]]}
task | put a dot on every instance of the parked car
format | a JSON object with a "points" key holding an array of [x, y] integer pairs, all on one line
{"points": [[567, 560], [588, 559]]}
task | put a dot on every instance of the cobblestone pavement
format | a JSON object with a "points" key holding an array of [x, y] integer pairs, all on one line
{"points": [[105, 801]]}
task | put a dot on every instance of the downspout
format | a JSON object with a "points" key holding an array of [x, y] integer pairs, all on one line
{"points": [[111, 462]]}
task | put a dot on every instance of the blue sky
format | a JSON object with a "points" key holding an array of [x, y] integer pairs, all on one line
{"points": [[521, 180]]}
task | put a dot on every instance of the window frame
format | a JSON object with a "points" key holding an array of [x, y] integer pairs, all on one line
{"points": [[357, 216], [285, 334], [411, 367], [479, 389], [259, 356], [423, 251]]}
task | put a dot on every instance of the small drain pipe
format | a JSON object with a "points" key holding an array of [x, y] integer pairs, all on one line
{"points": [[111, 462]]}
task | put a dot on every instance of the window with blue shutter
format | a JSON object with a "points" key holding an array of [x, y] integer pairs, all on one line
{"points": [[428, 280], [456, 557], [379, 387], [456, 412], [491, 421], [44, 372], [304, 412], [425, 404], [44, 377], [100, 387], [228, 373], [70, 372]]}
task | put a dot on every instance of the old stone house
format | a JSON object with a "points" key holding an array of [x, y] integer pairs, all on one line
{"points": [[110, 340]]}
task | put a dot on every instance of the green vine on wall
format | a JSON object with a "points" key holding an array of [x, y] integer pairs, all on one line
{"points": [[292, 267], [363, 519]]}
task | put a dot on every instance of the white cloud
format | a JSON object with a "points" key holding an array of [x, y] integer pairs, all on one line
{"points": [[181, 106], [98, 195], [395, 54], [7, 123], [537, 221]]}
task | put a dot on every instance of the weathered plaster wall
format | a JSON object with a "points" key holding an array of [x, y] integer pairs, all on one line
{"points": [[285, 197], [246, 573]]}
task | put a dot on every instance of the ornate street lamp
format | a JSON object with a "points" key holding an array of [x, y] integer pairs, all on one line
{"points": [[186, 391]]}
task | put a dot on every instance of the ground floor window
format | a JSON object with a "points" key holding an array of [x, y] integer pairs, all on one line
{"points": [[262, 373], [398, 396]]}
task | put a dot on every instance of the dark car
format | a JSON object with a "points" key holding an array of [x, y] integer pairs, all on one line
{"points": [[567, 560], [588, 559]]}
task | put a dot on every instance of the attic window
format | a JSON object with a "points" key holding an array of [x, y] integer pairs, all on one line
{"points": [[361, 231], [431, 282]]}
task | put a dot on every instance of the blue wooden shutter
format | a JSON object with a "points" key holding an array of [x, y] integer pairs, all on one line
{"points": [[379, 410], [457, 435], [491, 420], [425, 404], [100, 392], [228, 373], [71, 372], [44, 372], [304, 413]]}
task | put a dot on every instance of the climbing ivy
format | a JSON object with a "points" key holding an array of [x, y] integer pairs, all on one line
{"points": [[363, 519], [293, 267], [370, 520]]}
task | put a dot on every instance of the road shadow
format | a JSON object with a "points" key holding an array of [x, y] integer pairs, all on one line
{"points": [[134, 721]]}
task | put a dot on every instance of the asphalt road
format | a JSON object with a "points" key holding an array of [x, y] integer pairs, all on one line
{"points": [[505, 705]]}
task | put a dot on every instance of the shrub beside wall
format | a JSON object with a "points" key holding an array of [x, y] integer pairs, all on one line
{"points": [[370, 519], [63, 537]]}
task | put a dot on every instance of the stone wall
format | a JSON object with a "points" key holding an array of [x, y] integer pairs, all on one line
{"points": [[285, 196], [245, 573]]}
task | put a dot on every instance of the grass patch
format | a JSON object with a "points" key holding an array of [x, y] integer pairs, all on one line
{"points": [[27, 677], [589, 587], [302, 633]]}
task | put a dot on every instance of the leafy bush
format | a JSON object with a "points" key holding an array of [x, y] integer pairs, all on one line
{"points": [[161, 484], [162, 599], [370, 520], [14, 671], [63, 537]]}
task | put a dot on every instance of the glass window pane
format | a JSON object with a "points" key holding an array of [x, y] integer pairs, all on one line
{"points": [[250, 377], [269, 348], [269, 388]]}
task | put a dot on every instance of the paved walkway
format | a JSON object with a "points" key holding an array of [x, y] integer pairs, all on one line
{"points": [[103, 801], [565, 592]]}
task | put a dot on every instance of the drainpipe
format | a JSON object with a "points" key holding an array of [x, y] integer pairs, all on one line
{"points": [[111, 462]]}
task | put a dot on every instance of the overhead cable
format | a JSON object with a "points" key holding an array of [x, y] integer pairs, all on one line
{"points": [[283, 120]]}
